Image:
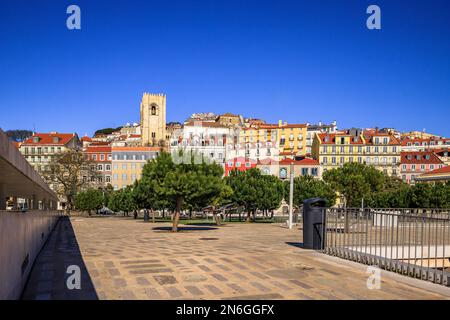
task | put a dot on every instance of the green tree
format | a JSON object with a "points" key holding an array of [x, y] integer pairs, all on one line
{"points": [[355, 181], [245, 188], [91, 199], [270, 193], [306, 187], [189, 182], [221, 199], [123, 200]]}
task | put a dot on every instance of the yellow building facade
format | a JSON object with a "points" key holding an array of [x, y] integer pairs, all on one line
{"points": [[128, 162], [292, 139], [378, 149]]}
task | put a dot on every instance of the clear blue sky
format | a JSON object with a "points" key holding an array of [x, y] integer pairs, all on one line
{"points": [[300, 61]]}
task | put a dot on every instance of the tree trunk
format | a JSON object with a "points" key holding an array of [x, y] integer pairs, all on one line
{"points": [[216, 217], [271, 215], [176, 218], [164, 213], [153, 215], [248, 216]]}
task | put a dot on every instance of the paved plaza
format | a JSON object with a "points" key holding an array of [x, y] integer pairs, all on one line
{"points": [[123, 258]]}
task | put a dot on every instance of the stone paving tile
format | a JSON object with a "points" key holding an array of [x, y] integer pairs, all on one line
{"points": [[123, 258], [194, 290], [213, 289], [173, 292]]}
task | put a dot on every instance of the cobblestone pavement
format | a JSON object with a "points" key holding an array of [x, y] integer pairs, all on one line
{"points": [[123, 258]]}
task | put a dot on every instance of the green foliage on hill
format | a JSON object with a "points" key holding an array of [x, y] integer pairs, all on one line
{"points": [[106, 131]]}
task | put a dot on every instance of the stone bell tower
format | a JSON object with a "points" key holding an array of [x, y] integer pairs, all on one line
{"points": [[153, 119]]}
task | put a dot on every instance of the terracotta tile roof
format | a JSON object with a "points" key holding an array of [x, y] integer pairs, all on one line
{"points": [[443, 170], [86, 138], [96, 149], [303, 162], [332, 138], [370, 137], [411, 158], [131, 149], [48, 139], [298, 125], [412, 141]]}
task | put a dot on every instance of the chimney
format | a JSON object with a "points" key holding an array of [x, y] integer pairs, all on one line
{"points": [[280, 123]]}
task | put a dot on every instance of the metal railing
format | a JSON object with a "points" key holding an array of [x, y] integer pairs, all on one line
{"points": [[414, 242]]}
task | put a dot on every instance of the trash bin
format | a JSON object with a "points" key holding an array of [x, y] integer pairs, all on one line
{"points": [[314, 223]]}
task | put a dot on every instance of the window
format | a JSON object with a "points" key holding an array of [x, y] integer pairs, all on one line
{"points": [[124, 166], [153, 111], [108, 167], [115, 177], [314, 171], [230, 164], [100, 167], [305, 171], [404, 167], [102, 157], [238, 164], [107, 178], [116, 166], [247, 164], [283, 173], [124, 176]]}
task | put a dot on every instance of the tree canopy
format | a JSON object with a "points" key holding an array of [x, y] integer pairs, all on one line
{"points": [[253, 190], [306, 187], [89, 200], [355, 181]]}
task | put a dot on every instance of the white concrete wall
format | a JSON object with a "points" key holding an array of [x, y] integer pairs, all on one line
{"points": [[21, 234]]}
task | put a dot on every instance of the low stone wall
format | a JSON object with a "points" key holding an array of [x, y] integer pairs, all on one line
{"points": [[22, 235]]}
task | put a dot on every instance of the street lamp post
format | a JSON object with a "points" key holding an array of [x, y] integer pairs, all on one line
{"points": [[291, 194]]}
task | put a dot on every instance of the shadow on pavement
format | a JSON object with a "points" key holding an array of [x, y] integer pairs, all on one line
{"points": [[48, 277], [296, 244], [184, 228]]}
